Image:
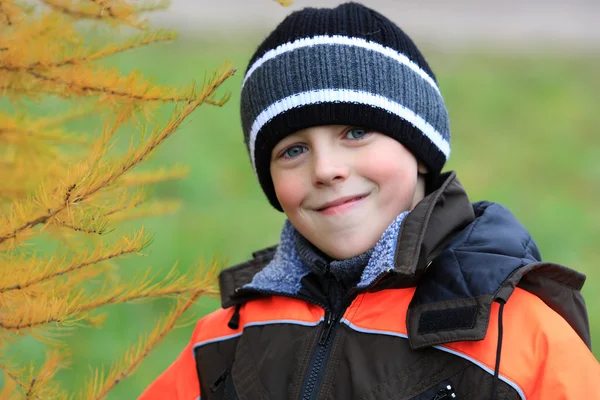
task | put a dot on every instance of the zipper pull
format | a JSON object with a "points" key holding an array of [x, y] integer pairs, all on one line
{"points": [[445, 394], [219, 381], [327, 329]]}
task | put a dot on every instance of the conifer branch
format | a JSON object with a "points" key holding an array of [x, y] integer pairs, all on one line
{"points": [[83, 219], [65, 284], [7, 19], [91, 231], [30, 224], [53, 308], [149, 210], [156, 6], [6, 12], [13, 376], [123, 16], [144, 295], [144, 288], [103, 90], [137, 353], [105, 7], [29, 393], [81, 79], [127, 202], [63, 313], [39, 384], [62, 192], [219, 103], [10, 385], [123, 208], [44, 310], [133, 158], [155, 176], [52, 268], [135, 43], [51, 135]]}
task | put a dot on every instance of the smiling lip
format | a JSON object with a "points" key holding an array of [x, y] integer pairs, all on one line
{"points": [[341, 204]]}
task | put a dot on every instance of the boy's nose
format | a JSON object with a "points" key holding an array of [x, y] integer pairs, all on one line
{"points": [[328, 169]]}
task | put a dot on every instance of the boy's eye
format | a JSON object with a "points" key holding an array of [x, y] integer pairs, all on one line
{"points": [[356, 133], [293, 151]]}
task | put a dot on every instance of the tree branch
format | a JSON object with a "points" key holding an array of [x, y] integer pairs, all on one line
{"points": [[106, 52], [145, 295], [103, 90], [168, 130], [76, 267], [39, 220], [15, 379], [155, 338], [6, 17], [90, 15]]}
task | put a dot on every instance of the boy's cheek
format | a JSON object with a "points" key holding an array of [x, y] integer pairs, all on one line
{"points": [[289, 191], [387, 172]]}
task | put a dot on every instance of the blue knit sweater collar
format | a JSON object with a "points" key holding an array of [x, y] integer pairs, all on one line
{"points": [[284, 273]]}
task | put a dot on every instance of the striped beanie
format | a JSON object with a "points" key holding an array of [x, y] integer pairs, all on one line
{"points": [[348, 65]]}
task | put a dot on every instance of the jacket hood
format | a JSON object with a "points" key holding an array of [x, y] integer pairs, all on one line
{"points": [[483, 263], [460, 256], [453, 298]]}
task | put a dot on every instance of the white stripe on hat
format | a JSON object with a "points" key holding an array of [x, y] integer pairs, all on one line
{"points": [[345, 96], [340, 40]]}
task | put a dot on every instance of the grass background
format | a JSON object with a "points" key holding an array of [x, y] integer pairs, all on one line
{"points": [[524, 133]]}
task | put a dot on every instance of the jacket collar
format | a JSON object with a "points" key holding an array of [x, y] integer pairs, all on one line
{"points": [[430, 226]]}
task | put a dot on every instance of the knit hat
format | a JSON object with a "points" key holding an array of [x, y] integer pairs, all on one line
{"points": [[348, 65]]}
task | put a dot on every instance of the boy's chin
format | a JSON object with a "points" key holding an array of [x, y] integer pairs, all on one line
{"points": [[345, 251]]}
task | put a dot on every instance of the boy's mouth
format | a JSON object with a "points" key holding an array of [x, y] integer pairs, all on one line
{"points": [[340, 205]]}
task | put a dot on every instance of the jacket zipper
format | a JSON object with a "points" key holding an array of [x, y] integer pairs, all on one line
{"points": [[319, 358], [312, 382], [321, 353]]}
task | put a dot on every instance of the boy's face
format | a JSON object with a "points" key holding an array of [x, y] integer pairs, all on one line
{"points": [[342, 186]]}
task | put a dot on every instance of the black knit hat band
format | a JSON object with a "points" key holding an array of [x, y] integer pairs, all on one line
{"points": [[342, 79]]}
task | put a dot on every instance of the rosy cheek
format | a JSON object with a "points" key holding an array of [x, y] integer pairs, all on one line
{"points": [[289, 191], [389, 171], [385, 171]]}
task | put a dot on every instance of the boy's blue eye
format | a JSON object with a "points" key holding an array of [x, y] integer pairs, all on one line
{"points": [[356, 133], [293, 151]]}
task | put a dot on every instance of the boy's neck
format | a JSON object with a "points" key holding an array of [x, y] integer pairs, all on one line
{"points": [[347, 271]]}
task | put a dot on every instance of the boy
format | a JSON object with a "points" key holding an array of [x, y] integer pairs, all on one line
{"points": [[387, 282]]}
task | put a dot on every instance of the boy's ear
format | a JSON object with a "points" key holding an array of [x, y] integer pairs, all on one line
{"points": [[422, 169]]}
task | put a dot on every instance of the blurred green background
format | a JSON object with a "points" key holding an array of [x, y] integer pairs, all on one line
{"points": [[525, 133]]}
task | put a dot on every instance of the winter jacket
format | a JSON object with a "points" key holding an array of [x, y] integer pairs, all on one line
{"points": [[461, 308]]}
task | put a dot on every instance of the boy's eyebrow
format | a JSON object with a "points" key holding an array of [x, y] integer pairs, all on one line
{"points": [[283, 142]]}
